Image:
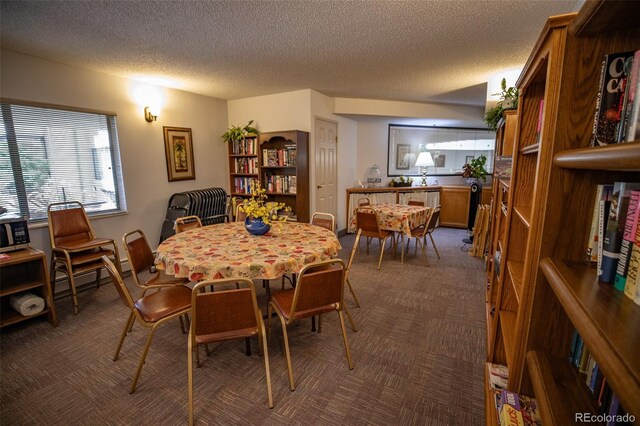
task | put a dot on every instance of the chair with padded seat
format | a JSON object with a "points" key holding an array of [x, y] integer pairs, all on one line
{"points": [[186, 223], [420, 233], [415, 203], [368, 225], [151, 311], [324, 220], [225, 314], [431, 226], [143, 269], [74, 246], [320, 290], [364, 201], [241, 216]]}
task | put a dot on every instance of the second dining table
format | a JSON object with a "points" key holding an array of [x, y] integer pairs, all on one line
{"points": [[228, 250], [401, 218]]}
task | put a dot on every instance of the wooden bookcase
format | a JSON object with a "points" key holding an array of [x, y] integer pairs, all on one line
{"points": [[505, 140], [244, 165], [24, 271], [546, 289], [284, 165]]}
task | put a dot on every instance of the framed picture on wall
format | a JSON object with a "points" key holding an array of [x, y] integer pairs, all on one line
{"points": [[178, 148], [439, 160], [402, 156], [468, 159]]}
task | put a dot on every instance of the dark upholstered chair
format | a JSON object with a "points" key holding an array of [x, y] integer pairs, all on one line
{"points": [[225, 314], [74, 246], [320, 290], [186, 223], [368, 225], [150, 311]]}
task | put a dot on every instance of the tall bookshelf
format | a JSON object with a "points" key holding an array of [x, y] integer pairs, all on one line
{"points": [[505, 140], [244, 165], [548, 289], [284, 170]]}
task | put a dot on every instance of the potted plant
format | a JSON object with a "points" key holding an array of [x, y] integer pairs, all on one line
{"points": [[238, 133], [475, 169], [401, 181], [508, 100]]}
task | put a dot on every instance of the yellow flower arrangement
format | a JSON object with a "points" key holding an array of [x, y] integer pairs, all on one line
{"points": [[259, 208]]}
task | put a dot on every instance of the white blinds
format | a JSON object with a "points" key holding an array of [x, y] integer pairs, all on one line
{"points": [[50, 155]]}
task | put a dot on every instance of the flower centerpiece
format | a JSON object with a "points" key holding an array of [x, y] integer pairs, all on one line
{"points": [[262, 213]]}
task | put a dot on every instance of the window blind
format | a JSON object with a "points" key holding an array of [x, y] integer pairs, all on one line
{"points": [[50, 155]]}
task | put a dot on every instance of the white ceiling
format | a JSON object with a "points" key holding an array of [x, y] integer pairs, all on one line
{"points": [[423, 51]]}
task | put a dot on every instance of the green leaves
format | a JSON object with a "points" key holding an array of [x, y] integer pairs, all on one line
{"points": [[492, 116], [237, 132]]}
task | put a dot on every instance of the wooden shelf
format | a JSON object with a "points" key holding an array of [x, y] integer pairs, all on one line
{"points": [[12, 288], [604, 16], [491, 412], [504, 182], [9, 316], [278, 167], [524, 214], [618, 157], [559, 389], [240, 194], [516, 271], [245, 174], [508, 326], [607, 321], [531, 149], [242, 155], [293, 194]]}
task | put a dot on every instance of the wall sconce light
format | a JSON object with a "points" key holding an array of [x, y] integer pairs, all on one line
{"points": [[148, 115]]}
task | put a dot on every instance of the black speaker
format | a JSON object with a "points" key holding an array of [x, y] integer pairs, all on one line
{"points": [[476, 194]]}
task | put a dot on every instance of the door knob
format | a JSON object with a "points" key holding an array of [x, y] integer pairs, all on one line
{"points": [[319, 186]]}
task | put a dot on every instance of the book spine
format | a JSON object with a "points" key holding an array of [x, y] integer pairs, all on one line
{"points": [[592, 250], [632, 131], [628, 238], [624, 102], [597, 114], [631, 284]]}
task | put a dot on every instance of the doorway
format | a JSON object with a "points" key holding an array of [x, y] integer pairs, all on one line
{"points": [[326, 166]]}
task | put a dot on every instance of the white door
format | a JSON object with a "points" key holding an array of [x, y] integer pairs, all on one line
{"points": [[326, 167]]}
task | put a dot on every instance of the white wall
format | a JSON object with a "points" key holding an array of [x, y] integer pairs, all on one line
{"points": [[141, 143], [272, 113]]}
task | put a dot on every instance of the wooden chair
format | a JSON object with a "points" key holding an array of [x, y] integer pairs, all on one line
{"points": [[364, 201], [224, 315], [241, 216], [150, 311], [186, 223], [324, 220], [368, 226], [320, 289], [141, 259], [74, 246], [415, 203], [431, 226], [419, 234]]}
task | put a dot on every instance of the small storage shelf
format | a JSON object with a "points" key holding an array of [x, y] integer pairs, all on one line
{"points": [[531, 149], [516, 270], [523, 213], [559, 390], [22, 271], [508, 326], [607, 321]]}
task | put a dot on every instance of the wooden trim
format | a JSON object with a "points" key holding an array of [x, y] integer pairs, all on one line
{"points": [[605, 16], [56, 106], [620, 157]]}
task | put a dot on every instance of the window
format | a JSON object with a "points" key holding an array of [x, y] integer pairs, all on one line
{"points": [[450, 149], [50, 155]]}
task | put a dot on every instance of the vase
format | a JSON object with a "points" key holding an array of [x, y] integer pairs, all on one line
{"points": [[256, 226]]}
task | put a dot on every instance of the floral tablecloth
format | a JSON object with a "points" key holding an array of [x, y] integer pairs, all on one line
{"points": [[228, 250], [399, 217]]}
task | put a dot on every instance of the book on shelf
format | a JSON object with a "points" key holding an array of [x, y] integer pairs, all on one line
{"points": [[628, 238], [514, 409], [625, 82], [603, 192], [614, 230], [610, 99], [540, 116], [502, 167], [631, 287], [632, 114], [603, 217], [498, 376]]}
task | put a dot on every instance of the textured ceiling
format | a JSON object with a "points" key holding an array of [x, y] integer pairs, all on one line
{"points": [[439, 50]]}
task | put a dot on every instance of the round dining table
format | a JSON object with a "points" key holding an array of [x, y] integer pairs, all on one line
{"points": [[228, 250]]}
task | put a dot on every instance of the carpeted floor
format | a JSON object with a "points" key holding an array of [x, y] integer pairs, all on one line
{"points": [[418, 356]]}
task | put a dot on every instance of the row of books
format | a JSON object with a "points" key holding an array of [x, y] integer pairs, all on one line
{"points": [[511, 408], [246, 165], [614, 242], [245, 147], [617, 117], [279, 157], [281, 184], [609, 404], [242, 185]]}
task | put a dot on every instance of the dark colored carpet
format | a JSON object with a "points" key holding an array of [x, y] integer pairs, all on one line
{"points": [[418, 356]]}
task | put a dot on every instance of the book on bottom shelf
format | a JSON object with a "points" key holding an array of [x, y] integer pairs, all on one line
{"points": [[515, 410]]}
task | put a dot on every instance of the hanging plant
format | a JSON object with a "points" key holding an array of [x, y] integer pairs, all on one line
{"points": [[508, 100]]}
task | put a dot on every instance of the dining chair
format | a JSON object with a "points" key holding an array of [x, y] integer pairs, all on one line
{"points": [[74, 246], [419, 233], [364, 201], [224, 314], [186, 223], [320, 290], [241, 216], [432, 225], [415, 203], [324, 220], [367, 222], [151, 311]]}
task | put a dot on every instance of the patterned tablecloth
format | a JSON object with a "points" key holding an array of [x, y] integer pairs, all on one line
{"points": [[228, 250], [399, 217]]}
